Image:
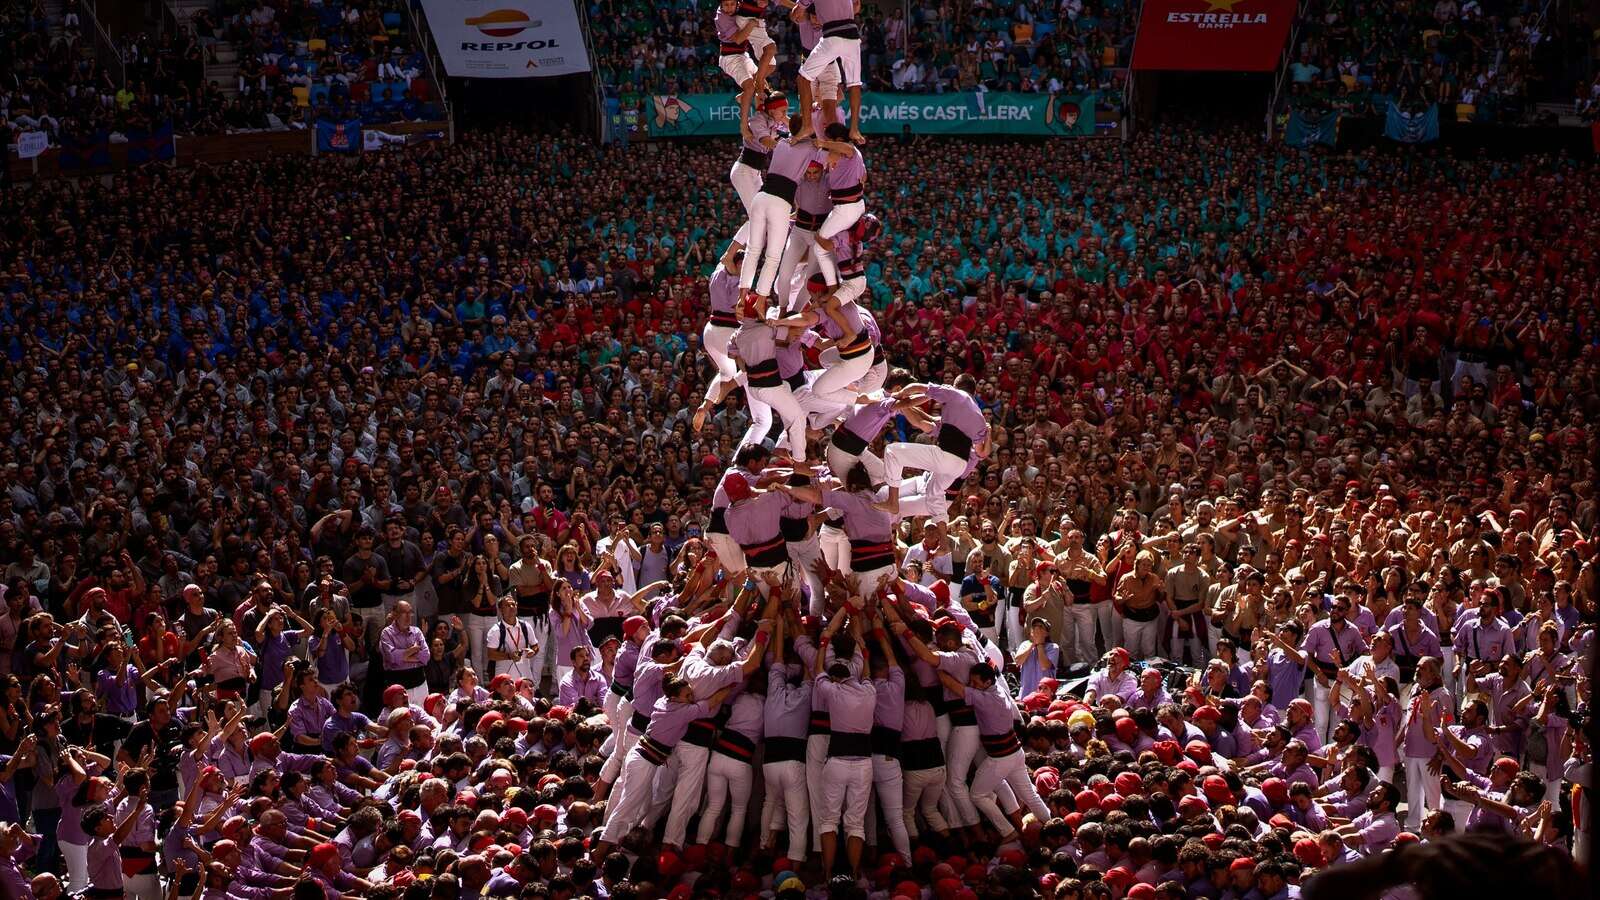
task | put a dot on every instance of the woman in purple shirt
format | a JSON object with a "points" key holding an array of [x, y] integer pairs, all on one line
{"points": [[117, 685], [309, 711], [275, 642], [330, 650], [569, 627]]}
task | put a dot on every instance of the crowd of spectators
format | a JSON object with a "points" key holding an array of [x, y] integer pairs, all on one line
{"points": [[958, 45], [1479, 61], [253, 407], [296, 62]]}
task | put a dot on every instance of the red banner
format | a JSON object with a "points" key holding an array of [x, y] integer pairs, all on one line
{"points": [[1212, 35]]}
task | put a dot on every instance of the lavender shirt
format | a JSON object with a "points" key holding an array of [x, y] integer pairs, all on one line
{"points": [[958, 410], [394, 642]]}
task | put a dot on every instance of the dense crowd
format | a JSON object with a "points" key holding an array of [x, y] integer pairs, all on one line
{"points": [[339, 55], [256, 406]]}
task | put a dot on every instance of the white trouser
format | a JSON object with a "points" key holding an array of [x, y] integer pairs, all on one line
{"points": [[738, 66], [960, 749], [842, 216], [924, 788], [686, 794], [715, 339], [876, 376], [1081, 621], [618, 709], [1140, 637], [828, 49], [873, 579], [788, 798], [801, 246], [889, 784], [632, 798], [1386, 773], [746, 183], [769, 229], [143, 887], [835, 546], [1194, 642], [1012, 771], [728, 782], [923, 496], [1322, 710], [477, 639], [803, 556], [758, 39], [846, 788], [416, 696], [1422, 791], [666, 784], [840, 462], [374, 618], [77, 857], [729, 554], [816, 758], [836, 387], [626, 738], [781, 401]]}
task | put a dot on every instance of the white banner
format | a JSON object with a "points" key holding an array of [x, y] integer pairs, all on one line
{"points": [[31, 144], [507, 38]]}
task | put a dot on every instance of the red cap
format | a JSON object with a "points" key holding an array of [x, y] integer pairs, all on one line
{"points": [[1309, 853], [517, 724], [1210, 713], [489, 720], [737, 487], [1199, 751], [1167, 752], [1141, 892], [1118, 876], [499, 681], [1215, 787], [1046, 782], [941, 590], [261, 742], [694, 857], [1111, 802], [1212, 840], [1406, 837], [516, 817], [1086, 800], [393, 693], [1276, 791], [324, 853], [632, 624], [1507, 765], [1192, 806], [1281, 821], [559, 713], [1242, 864], [1127, 729], [1129, 783], [670, 865], [546, 812]]}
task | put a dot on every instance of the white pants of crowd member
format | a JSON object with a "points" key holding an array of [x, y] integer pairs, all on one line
{"points": [[374, 618], [1140, 637], [922, 496], [788, 799], [1422, 792], [477, 640], [840, 462], [142, 887], [847, 51], [1322, 710], [1386, 773], [889, 784], [779, 399], [1081, 621], [728, 783], [846, 790], [77, 857], [924, 788], [769, 229], [799, 257], [1012, 771], [688, 791], [632, 798], [816, 759], [961, 746], [715, 340]]}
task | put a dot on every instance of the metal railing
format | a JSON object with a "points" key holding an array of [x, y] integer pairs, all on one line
{"points": [[430, 54], [106, 50], [602, 121]]}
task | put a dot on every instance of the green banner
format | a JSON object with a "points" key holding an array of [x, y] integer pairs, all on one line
{"points": [[699, 115]]}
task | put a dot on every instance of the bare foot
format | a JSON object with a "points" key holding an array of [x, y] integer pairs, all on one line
{"points": [[856, 137]]}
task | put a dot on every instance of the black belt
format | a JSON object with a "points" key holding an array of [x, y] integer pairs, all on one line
{"points": [[810, 221], [734, 745], [784, 749], [885, 741], [701, 733], [954, 441], [843, 28], [868, 555], [767, 553], [849, 442], [622, 690], [820, 722], [755, 159], [860, 345], [999, 745], [533, 604], [849, 743], [104, 893], [923, 753], [734, 49], [796, 381], [653, 750], [410, 678], [855, 267], [845, 195], [780, 186], [719, 521], [961, 715], [954, 490], [751, 9], [764, 374], [724, 319], [640, 721], [794, 529]]}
